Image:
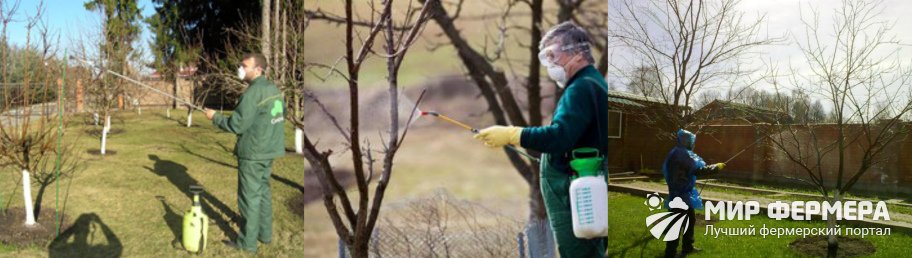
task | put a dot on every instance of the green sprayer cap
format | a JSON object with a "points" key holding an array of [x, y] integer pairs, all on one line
{"points": [[586, 161]]}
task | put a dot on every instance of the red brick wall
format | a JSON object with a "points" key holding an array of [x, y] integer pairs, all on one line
{"points": [[762, 162], [640, 145]]}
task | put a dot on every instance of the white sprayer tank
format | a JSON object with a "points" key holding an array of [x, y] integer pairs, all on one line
{"points": [[588, 195], [589, 207]]}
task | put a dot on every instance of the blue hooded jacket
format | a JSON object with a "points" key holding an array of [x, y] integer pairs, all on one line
{"points": [[681, 168]]}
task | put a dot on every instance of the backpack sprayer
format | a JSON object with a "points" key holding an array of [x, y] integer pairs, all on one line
{"points": [[473, 130], [196, 224]]}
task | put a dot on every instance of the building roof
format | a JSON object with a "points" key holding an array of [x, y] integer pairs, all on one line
{"points": [[635, 97], [720, 109]]}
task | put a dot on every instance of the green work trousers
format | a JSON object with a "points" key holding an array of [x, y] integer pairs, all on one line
{"points": [[254, 202], [555, 188]]}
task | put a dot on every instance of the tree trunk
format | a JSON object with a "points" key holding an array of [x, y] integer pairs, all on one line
{"points": [[299, 141], [265, 33], [174, 90], [27, 195], [359, 249], [189, 116], [832, 243], [38, 198]]}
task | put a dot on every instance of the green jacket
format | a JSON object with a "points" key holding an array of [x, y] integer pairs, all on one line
{"points": [[575, 123], [259, 122]]}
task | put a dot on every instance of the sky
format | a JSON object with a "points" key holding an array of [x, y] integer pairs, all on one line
{"points": [[783, 18], [68, 18]]}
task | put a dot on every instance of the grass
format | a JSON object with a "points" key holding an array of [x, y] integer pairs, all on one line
{"points": [[141, 201], [629, 237], [122, 189], [122, 192]]}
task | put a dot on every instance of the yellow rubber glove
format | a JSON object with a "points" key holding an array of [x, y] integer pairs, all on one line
{"points": [[497, 136], [721, 166]]}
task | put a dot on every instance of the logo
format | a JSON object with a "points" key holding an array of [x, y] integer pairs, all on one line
{"points": [[276, 108], [667, 226]]}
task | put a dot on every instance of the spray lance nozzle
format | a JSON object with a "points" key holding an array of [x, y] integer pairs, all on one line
{"points": [[473, 130], [196, 190]]}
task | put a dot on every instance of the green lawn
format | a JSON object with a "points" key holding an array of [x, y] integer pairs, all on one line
{"points": [[131, 203], [629, 237]]}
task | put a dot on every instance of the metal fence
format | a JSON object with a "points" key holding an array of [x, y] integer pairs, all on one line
{"points": [[441, 226]]}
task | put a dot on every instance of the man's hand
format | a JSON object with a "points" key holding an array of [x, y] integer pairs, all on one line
{"points": [[209, 113], [498, 136]]}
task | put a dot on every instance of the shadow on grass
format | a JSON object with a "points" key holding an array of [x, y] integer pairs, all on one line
{"points": [[275, 177], [80, 239], [177, 174], [173, 219], [630, 251]]}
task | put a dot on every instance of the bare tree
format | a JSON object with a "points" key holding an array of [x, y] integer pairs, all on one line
{"points": [[355, 223], [853, 69], [31, 140], [683, 47], [494, 84]]}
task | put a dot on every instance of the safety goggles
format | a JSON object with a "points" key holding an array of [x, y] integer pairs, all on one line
{"points": [[548, 55]]}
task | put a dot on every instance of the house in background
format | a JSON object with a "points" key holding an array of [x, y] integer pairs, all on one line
{"points": [[720, 112], [634, 140]]}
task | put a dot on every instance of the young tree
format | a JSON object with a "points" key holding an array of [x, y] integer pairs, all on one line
{"points": [[168, 50], [855, 72], [121, 20], [356, 221], [31, 140]]}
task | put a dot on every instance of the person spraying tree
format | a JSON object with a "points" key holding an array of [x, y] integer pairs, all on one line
{"points": [[259, 123], [681, 168], [580, 113]]}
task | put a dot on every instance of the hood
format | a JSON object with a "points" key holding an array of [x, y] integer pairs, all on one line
{"points": [[686, 139]]}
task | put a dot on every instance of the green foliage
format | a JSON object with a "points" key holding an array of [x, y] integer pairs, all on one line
{"points": [[167, 47], [203, 25], [121, 28]]}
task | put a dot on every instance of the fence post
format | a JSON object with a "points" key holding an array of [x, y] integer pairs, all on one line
{"points": [[375, 243], [521, 244], [342, 249], [540, 238]]}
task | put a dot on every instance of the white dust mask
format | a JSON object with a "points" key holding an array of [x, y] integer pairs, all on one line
{"points": [[555, 72], [241, 73]]}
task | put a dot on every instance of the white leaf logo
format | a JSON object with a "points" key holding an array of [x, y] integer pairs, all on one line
{"points": [[670, 224]]}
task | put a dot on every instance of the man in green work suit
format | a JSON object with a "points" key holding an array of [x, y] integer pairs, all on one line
{"points": [[580, 113], [258, 120]]}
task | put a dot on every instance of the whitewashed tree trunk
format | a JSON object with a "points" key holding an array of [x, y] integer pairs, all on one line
{"points": [[95, 115], [169, 113], [104, 135], [189, 118], [27, 194], [104, 140], [299, 141]]}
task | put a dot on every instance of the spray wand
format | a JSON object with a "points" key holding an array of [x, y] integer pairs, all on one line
{"points": [[136, 82], [736, 155], [475, 131]]}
